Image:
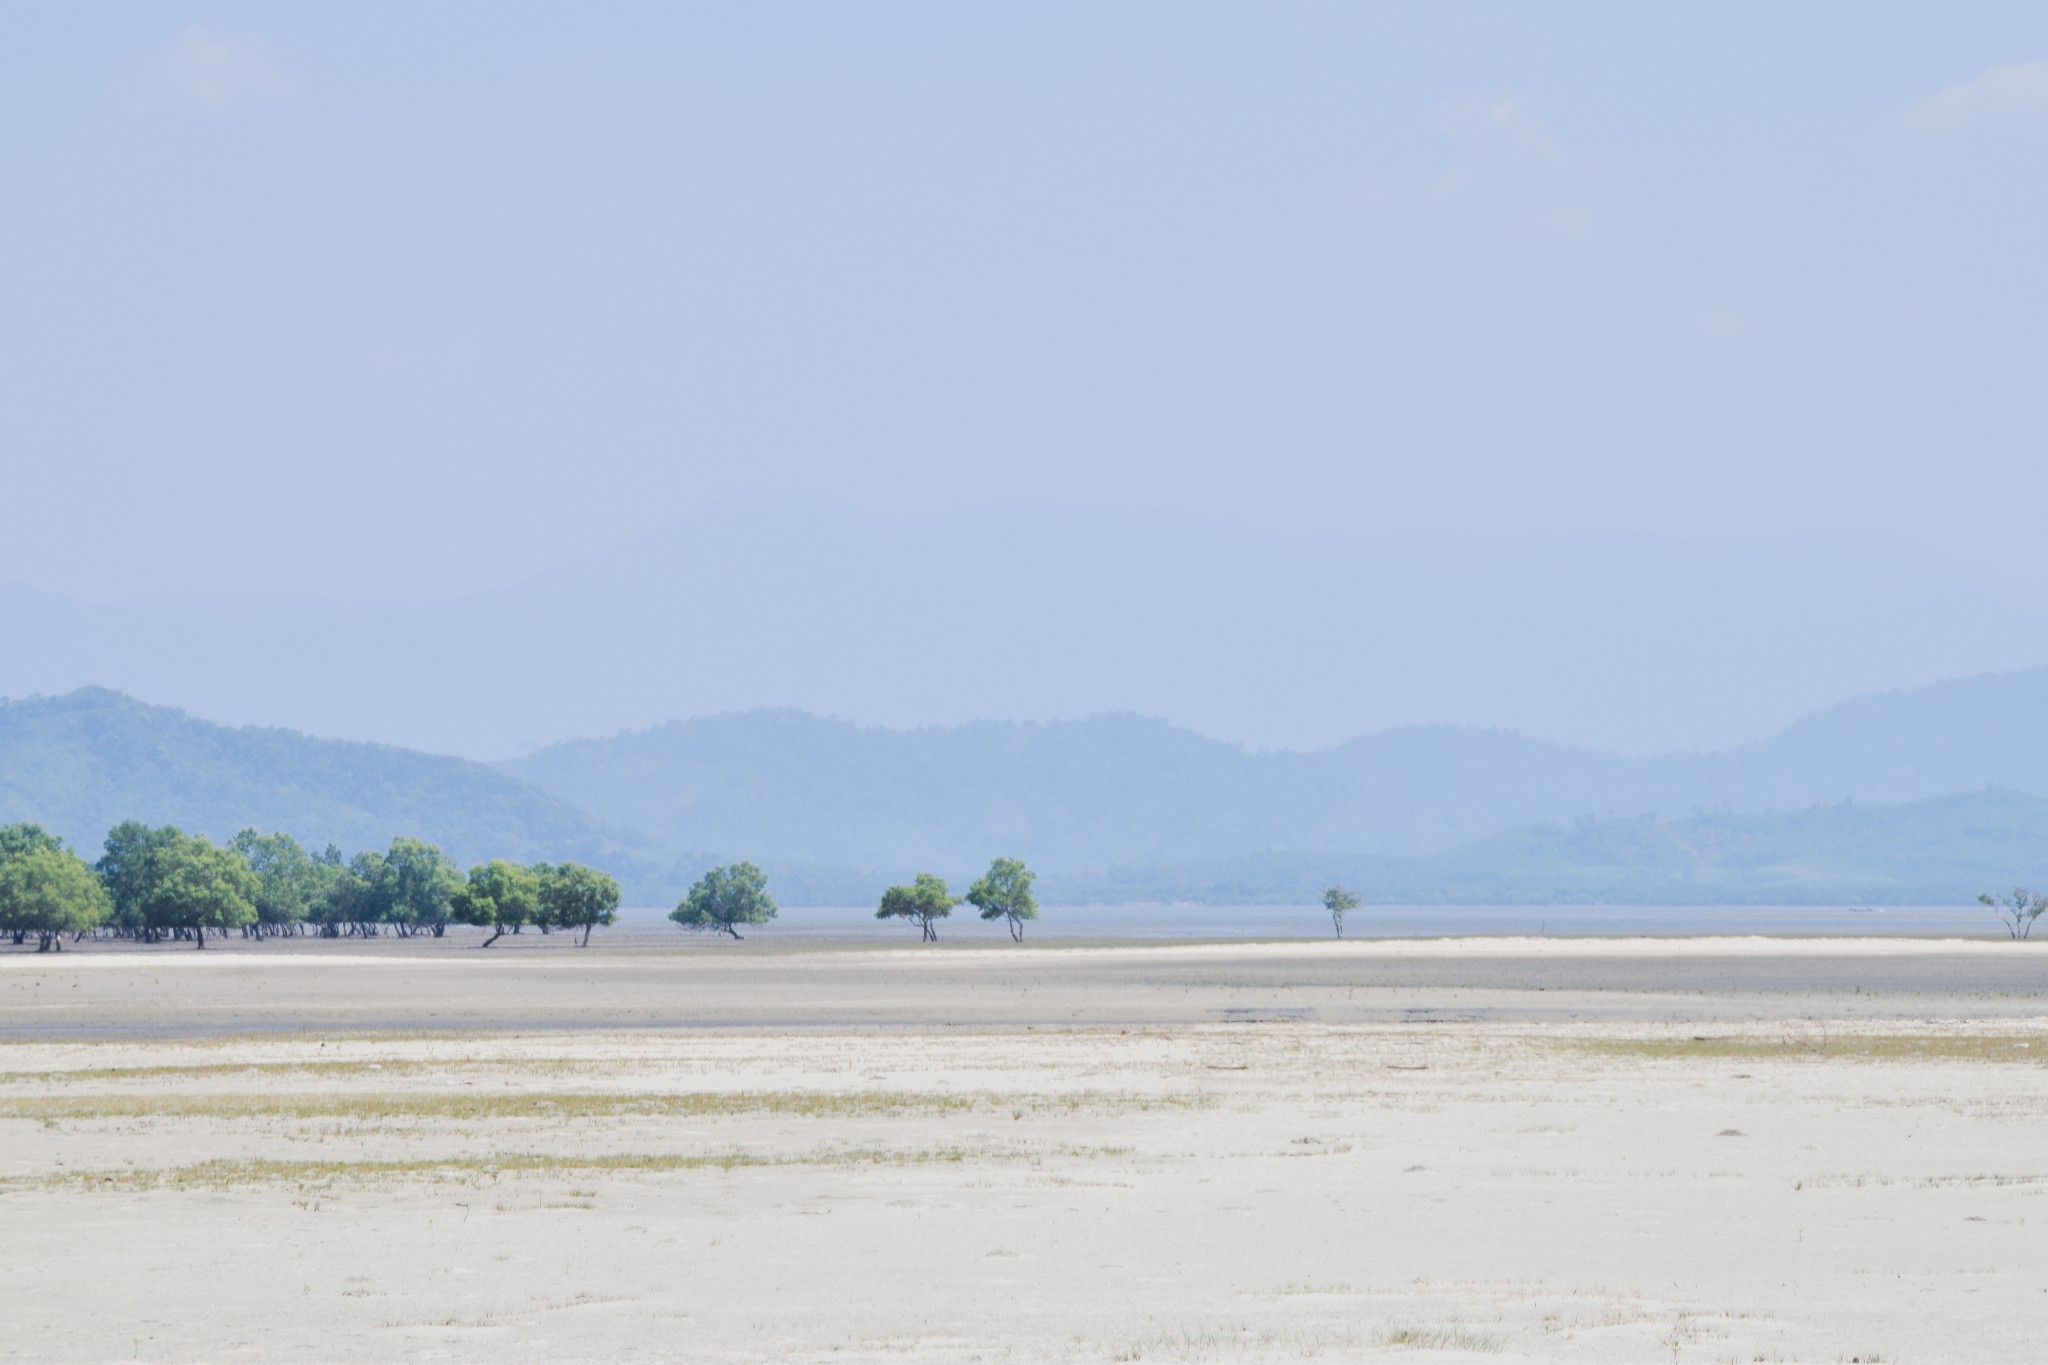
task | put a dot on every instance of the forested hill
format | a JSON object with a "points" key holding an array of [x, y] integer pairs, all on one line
{"points": [[78, 764]]}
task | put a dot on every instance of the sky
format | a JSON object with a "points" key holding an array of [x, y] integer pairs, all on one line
{"points": [[409, 301]]}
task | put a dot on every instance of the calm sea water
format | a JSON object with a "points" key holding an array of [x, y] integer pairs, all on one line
{"points": [[1425, 921]]}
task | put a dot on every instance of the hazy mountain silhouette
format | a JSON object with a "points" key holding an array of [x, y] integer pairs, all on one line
{"points": [[1625, 643], [79, 764], [1939, 851], [1990, 730], [1925, 794], [1121, 789], [1070, 794]]}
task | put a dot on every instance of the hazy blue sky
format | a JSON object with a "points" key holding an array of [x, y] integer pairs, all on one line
{"points": [[405, 299]]}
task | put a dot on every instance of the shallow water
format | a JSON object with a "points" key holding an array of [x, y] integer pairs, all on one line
{"points": [[1428, 921]]}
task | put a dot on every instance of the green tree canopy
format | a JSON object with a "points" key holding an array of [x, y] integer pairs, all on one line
{"points": [[573, 896], [124, 866], [725, 898], [498, 896], [353, 893], [926, 900], [416, 886], [1004, 893], [290, 881], [48, 891], [18, 839], [1339, 901], [164, 879]]}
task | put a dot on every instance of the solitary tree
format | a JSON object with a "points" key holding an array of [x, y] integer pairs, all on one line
{"points": [[47, 890], [573, 896], [725, 898], [926, 900], [1339, 901], [1004, 893], [2019, 908], [498, 896]]}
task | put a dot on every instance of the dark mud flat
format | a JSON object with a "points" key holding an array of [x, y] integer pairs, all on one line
{"points": [[451, 985]]}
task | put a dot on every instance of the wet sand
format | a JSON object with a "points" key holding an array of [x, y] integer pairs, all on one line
{"points": [[450, 983], [1464, 1151]]}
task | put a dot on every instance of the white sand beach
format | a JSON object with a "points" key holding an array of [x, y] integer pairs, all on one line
{"points": [[365, 1155]]}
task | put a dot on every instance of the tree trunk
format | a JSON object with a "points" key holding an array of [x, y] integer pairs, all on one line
{"points": [[587, 927], [733, 930], [199, 933], [496, 936]]}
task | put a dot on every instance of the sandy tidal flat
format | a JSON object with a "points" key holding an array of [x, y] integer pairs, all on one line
{"points": [[1805, 1184]]}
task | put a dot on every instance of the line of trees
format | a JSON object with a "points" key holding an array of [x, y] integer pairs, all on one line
{"points": [[726, 897], [1002, 893], [507, 897], [158, 883]]}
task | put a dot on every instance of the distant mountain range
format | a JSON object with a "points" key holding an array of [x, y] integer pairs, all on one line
{"points": [[1122, 789], [1938, 851], [1630, 644], [1931, 794]]}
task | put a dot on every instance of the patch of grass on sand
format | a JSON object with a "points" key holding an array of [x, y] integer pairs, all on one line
{"points": [[1452, 1338], [1238, 1343], [567, 1105], [474, 1170], [1917, 1182], [1822, 1046], [202, 1071]]}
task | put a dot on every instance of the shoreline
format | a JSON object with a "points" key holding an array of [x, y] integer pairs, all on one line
{"points": [[168, 990], [454, 952]]}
